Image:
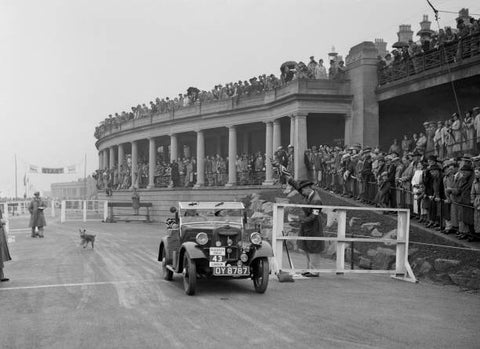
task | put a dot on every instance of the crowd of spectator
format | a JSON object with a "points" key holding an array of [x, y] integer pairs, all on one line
{"points": [[182, 172], [438, 182], [251, 87], [445, 46]]}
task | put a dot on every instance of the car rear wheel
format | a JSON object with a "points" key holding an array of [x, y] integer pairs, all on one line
{"points": [[261, 271], [189, 275], [166, 273]]}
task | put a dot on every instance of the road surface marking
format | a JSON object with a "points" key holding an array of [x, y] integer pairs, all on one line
{"points": [[76, 284]]}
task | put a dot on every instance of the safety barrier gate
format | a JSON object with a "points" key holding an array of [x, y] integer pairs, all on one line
{"points": [[403, 270], [83, 210]]}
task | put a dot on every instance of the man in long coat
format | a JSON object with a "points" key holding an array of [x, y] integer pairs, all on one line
{"points": [[37, 218]]}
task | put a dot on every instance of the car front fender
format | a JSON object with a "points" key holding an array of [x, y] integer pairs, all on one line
{"points": [[192, 249], [264, 250], [163, 245]]}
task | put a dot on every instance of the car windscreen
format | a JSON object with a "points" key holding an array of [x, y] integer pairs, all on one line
{"points": [[191, 216]]}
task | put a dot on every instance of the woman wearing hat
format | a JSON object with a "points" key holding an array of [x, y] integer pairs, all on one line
{"points": [[462, 196], [457, 133], [417, 189], [468, 132], [310, 224], [4, 252]]}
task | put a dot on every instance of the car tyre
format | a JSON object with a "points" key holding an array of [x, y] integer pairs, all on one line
{"points": [[189, 275], [166, 273], [261, 272]]}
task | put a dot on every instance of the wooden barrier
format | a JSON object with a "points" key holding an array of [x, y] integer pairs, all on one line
{"points": [[127, 217]]}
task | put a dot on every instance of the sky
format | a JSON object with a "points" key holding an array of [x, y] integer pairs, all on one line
{"points": [[66, 65]]}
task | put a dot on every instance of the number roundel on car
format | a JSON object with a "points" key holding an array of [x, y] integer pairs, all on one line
{"points": [[316, 211]]}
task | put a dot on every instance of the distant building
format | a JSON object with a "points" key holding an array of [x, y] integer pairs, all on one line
{"points": [[74, 190]]}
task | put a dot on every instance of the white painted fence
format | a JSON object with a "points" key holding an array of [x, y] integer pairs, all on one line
{"points": [[83, 210], [402, 270]]}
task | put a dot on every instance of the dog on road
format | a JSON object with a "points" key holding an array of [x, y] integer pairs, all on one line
{"points": [[86, 238]]}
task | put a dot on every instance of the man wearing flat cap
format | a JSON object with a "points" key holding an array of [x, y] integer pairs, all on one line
{"points": [[37, 218]]}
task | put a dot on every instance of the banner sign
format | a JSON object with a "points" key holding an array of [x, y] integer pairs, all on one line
{"points": [[52, 170], [72, 169]]}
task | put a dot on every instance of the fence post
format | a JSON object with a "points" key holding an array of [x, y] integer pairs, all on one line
{"points": [[277, 227], [84, 210], [5, 216], [341, 229], [105, 210], [62, 211], [401, 255]]}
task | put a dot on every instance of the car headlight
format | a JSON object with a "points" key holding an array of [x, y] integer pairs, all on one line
{"points": [[256, 238], [201, 238]]}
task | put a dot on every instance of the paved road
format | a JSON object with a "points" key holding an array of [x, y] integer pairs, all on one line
{"points": [[64, 296]]}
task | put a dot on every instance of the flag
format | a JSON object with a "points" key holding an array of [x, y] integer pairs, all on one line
{"points": [[72, 169], [33, 169]]}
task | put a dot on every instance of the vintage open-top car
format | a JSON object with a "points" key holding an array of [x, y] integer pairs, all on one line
{"points": [[209, 239]]}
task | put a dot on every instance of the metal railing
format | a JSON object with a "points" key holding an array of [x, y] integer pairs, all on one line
{"points": [[445, 54]]}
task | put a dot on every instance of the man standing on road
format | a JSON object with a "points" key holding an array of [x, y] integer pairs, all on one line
{"points": [[37, 218], [135, 201]]}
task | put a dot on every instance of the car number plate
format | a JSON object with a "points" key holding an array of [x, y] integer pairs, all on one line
{"points": [[217, 261], [217, 251], [217, 257], [233, 270]]}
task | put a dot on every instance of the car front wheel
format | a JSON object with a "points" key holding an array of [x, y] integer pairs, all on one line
{"points": [[261, 271], [166, 273], [189, 275]]}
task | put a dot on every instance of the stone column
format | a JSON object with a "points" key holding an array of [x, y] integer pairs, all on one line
{"points": [[277, 134], [200, 159], [292, 129], [232, 156], [362, 126], [173, 147], [105, 159], [112, 158], [152, 151], [300, 145], [121, 154], [134, 165], [100, 159], [268, 153]]}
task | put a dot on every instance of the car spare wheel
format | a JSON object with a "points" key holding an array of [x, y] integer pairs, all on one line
{"points": [[261, 271], [166, 273], [189, 275]]}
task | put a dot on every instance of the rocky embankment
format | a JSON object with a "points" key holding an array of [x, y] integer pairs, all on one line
{"points": [[432, 257]]}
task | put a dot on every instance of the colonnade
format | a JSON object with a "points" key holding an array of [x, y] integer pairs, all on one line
{"points": [[273, 139]]}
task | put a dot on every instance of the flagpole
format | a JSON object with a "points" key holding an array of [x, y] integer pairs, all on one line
{"points": [[85, 176], [16, 191]]}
